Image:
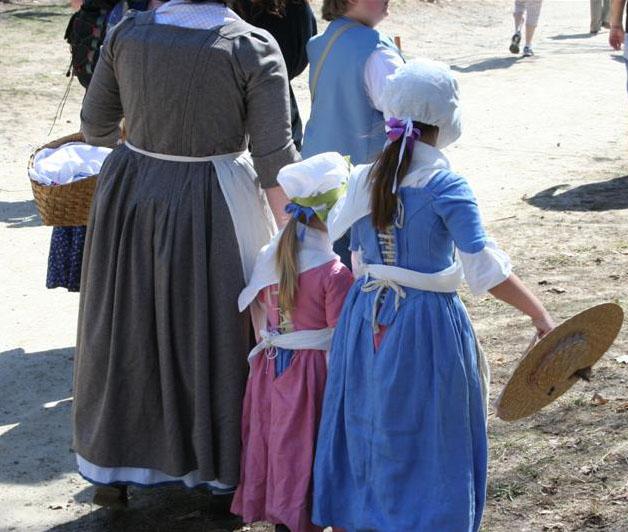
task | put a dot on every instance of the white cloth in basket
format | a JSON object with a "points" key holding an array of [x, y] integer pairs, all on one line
{"points": [[68, 163]]}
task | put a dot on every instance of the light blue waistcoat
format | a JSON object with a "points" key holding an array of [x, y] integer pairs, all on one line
{"points": [[343, 118]]}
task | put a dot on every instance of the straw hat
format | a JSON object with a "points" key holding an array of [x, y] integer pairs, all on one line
{"points": [[558, 360]]}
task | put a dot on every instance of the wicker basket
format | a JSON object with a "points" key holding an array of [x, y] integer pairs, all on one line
{"points": [[64, 205]]}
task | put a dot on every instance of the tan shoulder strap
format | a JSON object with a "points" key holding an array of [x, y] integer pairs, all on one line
{"points": [[321, 61]]}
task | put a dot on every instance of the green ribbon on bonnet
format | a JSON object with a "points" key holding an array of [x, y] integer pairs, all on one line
{"points": [[321, 204]]}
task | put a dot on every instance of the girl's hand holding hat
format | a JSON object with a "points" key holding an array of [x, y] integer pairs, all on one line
{"points": [[544, 324]]}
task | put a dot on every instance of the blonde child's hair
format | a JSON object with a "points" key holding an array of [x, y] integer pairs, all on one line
{"points": [[287, 262], [288, 267], [333, 9]]}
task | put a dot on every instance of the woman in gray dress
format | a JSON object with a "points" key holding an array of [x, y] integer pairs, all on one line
{"points": [[179, 213]]}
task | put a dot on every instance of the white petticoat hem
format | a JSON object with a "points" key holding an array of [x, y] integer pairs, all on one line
{"points": [[144, 477]]}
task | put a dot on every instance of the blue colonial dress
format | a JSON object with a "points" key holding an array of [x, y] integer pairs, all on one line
{"points": [[402, 442]]}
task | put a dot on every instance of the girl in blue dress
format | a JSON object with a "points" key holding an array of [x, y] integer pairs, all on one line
{"points": [[402, 443]]}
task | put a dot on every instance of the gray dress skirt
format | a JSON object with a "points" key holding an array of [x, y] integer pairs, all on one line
{"points": [[160, 365]]}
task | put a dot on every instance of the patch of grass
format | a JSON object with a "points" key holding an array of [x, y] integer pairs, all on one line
{"points": [[593, 519], [508, 446], [584, 249], [580, 402], [507, 490], [556, 261], [529, 471]]}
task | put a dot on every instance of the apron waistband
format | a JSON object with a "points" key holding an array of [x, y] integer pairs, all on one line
{"points": [[315, 339], [379, 277], [184, 158], [447, 280]]}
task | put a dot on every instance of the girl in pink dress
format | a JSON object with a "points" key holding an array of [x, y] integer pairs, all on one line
{"points": [[298, 287]]}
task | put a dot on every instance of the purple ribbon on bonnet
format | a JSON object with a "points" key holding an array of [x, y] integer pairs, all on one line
{"points": [[397, 128]]}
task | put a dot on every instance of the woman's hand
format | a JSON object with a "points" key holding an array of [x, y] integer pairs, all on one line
{"points": [[616, 37], [277, 200]]}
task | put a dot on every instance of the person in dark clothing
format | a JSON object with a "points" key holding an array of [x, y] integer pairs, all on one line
{"points": [[292, 23], [85, 33]]}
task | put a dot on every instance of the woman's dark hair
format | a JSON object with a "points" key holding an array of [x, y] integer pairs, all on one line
{"points": [[382, 176], [247, 8], [254, 8]]}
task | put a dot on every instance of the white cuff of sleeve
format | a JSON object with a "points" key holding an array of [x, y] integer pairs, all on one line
{"points": [[485, 269]]}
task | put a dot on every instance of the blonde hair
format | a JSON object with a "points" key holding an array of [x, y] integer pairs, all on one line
{"points": [[333, 9], [287, 262], [288, 267]]}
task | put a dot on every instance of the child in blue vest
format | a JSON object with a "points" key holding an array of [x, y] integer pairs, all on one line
{"points": [[349, 64]]}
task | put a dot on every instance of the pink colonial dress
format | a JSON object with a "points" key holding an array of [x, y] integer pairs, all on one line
{"points": [[284, 394]]}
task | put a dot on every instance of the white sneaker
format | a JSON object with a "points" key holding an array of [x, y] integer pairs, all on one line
{"points": [[527, 51]]}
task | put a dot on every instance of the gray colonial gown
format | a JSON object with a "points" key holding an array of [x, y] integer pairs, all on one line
{"points": [[161, 364]]}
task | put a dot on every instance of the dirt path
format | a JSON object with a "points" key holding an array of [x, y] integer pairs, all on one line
{"points": [[545, 147]]}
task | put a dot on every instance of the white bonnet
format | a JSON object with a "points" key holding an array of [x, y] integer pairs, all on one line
{"points": [[316, 182], [425, 91]]}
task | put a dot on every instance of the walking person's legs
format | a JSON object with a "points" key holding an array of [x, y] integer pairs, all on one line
{"points": [[519, 17], [519, 14], [532, 19], [606, 14], [596, 15]]}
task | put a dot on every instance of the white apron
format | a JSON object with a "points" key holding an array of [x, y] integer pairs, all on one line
{"points": [[252, 218]]}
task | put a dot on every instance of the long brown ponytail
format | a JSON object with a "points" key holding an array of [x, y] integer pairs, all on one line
{"points": [[382, 177], [288, 267]]}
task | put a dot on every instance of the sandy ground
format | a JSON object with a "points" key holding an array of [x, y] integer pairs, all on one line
{"points": [[545, 147]]}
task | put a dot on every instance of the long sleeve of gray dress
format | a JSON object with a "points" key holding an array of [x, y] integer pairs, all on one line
{"points": [[102, 109], [267, 105]]}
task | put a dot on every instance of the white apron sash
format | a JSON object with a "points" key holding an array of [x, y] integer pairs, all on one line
{"points": [[381, 276], [252, 218], [315, 339], [447, 280]]}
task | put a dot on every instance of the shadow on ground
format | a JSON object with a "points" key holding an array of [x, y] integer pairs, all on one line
{"points": [[159, 509], [36, 390], [35, 410], [602, 196], [493, 63], [37, 15], [570, 36], [18, 214]]}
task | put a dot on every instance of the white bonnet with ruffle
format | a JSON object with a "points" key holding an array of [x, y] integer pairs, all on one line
{"points": [[425, 91]]}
